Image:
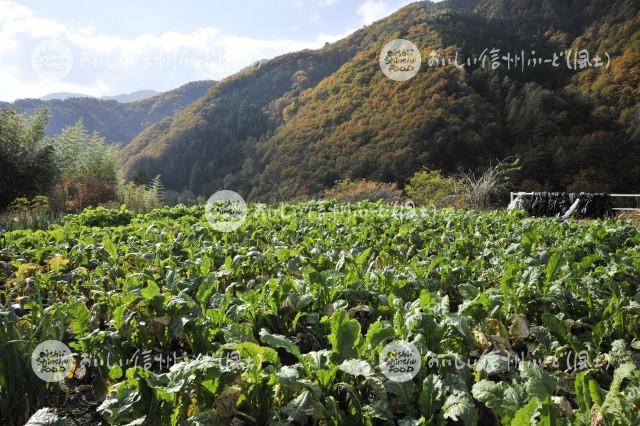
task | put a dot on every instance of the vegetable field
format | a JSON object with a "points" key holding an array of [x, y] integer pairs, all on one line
{"points": [[518, 321]]}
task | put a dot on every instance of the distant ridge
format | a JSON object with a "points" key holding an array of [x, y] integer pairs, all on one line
{"points": [[132, 97], [63, 95], [138, 95], [118, 120]]}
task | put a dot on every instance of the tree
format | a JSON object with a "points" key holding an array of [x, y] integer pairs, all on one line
{"points": [[87, 169], [80, 155], [26, 160]]}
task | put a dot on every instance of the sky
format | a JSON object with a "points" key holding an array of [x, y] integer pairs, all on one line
{"points": [[111, 47]]}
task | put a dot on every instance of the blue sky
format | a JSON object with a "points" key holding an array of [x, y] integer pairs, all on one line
{"points": [[118, 46]]}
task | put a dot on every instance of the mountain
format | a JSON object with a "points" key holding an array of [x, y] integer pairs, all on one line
{"points": [[118, 122], [123, 97], [132, 97], [63, 96], [297, 123]]}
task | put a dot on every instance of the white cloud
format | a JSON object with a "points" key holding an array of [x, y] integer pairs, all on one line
{"points": [[104, 65], [15, 86], [372, 10]]}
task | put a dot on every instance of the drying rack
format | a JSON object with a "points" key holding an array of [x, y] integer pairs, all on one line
{"points": [[515, 194]]}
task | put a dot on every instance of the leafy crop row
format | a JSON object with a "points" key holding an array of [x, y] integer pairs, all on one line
{"points": [[505, 310]]}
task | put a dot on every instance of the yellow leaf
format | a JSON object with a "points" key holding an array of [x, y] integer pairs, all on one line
{"points": [[58, 263]]}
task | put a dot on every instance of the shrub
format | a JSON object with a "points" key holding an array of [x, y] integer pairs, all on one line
{"points": [[40, 204], [25, 214], [484, 187], [430, 187], [141, 198], [92, 192], [74, 195], [185, 197], [351, 191], [101, 217]]}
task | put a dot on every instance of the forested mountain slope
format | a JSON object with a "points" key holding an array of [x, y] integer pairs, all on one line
{"points": [[293, 125]]}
